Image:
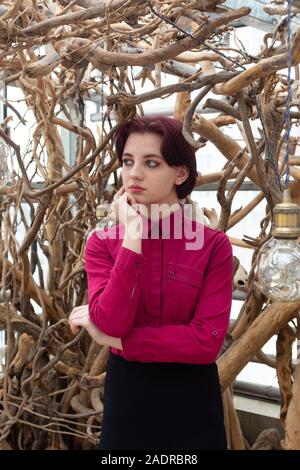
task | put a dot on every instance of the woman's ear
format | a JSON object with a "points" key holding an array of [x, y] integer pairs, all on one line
{"points": [[182, 174]]}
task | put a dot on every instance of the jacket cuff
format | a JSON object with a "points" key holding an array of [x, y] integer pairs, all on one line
{"points": [[127, 260], [133, 346]]}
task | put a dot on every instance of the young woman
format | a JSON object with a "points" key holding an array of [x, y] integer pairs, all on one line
{"points": [[159, 300]]}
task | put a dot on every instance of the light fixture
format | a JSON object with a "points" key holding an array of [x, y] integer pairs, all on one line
{"points": [[104, 216], [278, 267]]}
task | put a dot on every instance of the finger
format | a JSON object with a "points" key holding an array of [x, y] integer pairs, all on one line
{"points": [[119, 192], [79, 307], [79, 319], [77, 324], [136, 207], [133, 205], [131, 198], [80, 316], [75, 329], [78, 310], [128, 198], [73, 312]]}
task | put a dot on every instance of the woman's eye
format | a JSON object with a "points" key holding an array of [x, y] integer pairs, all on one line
{"points": [[152, 161]]}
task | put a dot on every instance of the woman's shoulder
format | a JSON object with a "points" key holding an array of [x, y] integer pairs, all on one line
{"points": [[221, 247], [209, 232], [100, 237], [213, 239], [215, 233]]}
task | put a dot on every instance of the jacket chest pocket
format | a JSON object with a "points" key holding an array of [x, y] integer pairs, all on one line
{"points": [[182, 292]]}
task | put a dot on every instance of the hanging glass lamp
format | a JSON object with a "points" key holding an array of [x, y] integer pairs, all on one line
{"points": [[104, 216], [278, 268]]}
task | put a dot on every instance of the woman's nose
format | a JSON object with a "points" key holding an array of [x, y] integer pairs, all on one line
{"points": [[136, 171]]}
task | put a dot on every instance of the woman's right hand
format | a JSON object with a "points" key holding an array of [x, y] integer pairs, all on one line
{"points": [[124, 208]]}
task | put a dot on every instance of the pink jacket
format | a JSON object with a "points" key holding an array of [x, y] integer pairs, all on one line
{"points": [[168, 304]]}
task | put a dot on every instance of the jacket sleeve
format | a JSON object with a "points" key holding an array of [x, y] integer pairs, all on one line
{"points": [[200, 341], [113, 286]]}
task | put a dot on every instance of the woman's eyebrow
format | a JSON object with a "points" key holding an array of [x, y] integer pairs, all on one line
{"points": [[145, 156]]}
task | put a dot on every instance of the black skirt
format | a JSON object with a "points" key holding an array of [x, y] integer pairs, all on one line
{"points": [[162, 406]]}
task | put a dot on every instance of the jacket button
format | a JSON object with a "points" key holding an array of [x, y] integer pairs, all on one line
{"points": [[214, 332], [171, 273], [138, 264]]}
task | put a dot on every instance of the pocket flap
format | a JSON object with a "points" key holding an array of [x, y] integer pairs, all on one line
{"points": [[183, 273]]}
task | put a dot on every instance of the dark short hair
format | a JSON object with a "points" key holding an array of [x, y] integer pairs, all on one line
{"points": [[175, 149]]}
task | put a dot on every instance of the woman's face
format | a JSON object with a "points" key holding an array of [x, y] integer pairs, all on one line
{"points": [[144, 165]]}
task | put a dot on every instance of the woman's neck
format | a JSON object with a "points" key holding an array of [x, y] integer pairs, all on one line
{"points": [[160, 210]]}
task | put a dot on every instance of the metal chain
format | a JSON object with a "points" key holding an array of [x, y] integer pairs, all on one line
{"points": [[289, 95]]}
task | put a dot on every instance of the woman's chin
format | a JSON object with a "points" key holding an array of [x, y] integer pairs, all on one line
{"points": [[138, 196]]}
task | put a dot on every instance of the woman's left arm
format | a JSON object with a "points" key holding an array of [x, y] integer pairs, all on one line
{"points": [[80, 318]]}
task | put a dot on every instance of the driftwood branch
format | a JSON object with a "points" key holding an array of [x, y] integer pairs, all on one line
{"points": [[267, 324]]}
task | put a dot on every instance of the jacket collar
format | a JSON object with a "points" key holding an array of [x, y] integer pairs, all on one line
{"points": [[166, 225]]}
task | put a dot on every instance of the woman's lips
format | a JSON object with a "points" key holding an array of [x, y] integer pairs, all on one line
{"points": [[137, 190]]}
